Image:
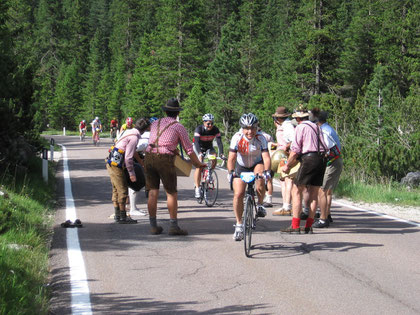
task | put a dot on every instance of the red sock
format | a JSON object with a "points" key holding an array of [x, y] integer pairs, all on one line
{"points": [[295, 223], [309, 222]]}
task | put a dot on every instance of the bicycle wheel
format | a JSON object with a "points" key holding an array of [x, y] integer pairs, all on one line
{"points": [[248, 222], [212, 189]]}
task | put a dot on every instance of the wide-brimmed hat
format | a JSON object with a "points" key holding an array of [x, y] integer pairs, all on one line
{"points": [[300, 112], [281, 112], [172, 105]]}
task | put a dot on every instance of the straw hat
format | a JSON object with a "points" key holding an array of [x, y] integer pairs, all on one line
{"points": [[300, 112]]}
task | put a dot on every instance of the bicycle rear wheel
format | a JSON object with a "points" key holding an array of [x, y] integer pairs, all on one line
{"points": [[248, 223], [200, 200], [211, 189]]}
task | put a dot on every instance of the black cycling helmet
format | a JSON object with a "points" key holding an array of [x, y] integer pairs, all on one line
{"points": [[248, 120]]}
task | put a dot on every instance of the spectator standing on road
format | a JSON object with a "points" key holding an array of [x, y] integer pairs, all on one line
{"points": [[285, 133], [308, 145], [127, 144], [333, 170], [165, 134], [140, 150], [268, 200]]}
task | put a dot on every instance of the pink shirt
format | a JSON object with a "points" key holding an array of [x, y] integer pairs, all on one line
{"points": [[170, 138], [306, 139], [128, 143]]}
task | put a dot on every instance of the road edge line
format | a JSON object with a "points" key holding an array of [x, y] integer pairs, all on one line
{"points": [[80, 295]]}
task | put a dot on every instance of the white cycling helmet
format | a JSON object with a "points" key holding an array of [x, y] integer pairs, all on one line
{"points": [[96, 118], [83, 121], [248, 120], [208, 117]]}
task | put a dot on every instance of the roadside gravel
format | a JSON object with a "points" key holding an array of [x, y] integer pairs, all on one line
{"points": [[402, 212]]}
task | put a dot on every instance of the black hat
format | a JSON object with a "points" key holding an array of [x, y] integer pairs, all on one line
{"points": [[172, 105]]}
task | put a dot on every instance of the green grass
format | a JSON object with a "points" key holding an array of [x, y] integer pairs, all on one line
{"points": [[24, 239], [386, 192]]}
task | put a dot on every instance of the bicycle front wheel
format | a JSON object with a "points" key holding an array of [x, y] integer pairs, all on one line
{"points": [[211, 189], [248, 222]]}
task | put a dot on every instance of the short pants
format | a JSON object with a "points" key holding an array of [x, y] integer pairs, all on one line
{"points": [[311, 171], [160, 167], [332, 175]]}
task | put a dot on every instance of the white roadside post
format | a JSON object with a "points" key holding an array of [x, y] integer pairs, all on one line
{"points": [[45, 164], [64, 131], [52, 149]]}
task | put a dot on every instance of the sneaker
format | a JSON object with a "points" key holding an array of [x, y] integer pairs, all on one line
{"points": [[127, 220], [291, 230], [282, 212], [238, 235], [268, 201], [317, 215], [321, 224], [176, 230], [156, 230], [307, 230], [138, 212], [261, 212], [197, 193], [330, 219]]}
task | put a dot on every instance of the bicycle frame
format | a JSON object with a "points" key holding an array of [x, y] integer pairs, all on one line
{"points": [[209, 187]]}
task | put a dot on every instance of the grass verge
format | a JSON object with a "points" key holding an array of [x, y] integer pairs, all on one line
{"points": [[387, 192], [25, 229]]}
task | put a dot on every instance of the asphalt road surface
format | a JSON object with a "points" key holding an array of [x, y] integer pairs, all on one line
{"points": [[361, 264]]}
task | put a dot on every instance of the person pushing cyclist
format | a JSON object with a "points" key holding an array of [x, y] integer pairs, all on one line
{"points": [[203, 140], [248, 152]]}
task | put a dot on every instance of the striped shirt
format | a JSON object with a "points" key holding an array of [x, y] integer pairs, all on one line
{"points": [[170, 138]]}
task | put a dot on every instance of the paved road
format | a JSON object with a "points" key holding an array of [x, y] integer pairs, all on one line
{"points": [[362, 264]]}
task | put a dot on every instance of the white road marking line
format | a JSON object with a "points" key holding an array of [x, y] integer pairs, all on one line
{"points": [[80, 296], [360, 209]]}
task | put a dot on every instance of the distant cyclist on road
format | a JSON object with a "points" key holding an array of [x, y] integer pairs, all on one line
{"points": [[96, 127], [128, 125], [113, 127], [248, 152], [203, 141], [82, 128]]}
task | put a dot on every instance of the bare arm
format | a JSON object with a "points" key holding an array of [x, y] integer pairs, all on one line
{"points": [[231, 161]]}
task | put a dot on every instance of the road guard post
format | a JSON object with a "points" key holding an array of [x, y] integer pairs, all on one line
{"points": [[52, 149], [45, 164]]}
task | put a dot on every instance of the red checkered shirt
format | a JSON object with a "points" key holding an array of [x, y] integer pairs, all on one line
{"points": [[170, 138]]}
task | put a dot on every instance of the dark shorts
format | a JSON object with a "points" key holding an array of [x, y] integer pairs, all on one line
{"points": [[311, 171], [160, 167], [241, 169]]}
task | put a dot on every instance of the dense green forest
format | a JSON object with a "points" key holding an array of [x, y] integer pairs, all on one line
{"points": [[67, 60]]}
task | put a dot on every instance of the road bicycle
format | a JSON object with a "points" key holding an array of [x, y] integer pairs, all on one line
{"points": [[209, 187], [113, 133], [83, 135], [96, 138], [250, 218]]}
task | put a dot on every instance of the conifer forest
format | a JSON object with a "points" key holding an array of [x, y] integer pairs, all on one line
{"points": [[67, 60]]}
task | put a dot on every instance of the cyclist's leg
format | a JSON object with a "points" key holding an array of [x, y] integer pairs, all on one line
{"points": [[238, 198], [212, 151], [260, 187], [197, 174]]}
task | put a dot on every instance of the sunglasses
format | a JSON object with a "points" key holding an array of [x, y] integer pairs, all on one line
{"points": [[209, 123]]}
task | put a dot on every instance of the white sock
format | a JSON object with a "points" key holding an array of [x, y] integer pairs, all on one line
{"points": [[287, 206]]}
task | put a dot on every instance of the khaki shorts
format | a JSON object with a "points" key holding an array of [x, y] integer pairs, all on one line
{"points": [[332, 175], [119, 184], [160, 167]]}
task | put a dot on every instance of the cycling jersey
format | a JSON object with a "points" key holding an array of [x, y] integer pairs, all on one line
{"points": [[203, 139], [96, 124], [82, 125], [249, 152], [113, 123]]}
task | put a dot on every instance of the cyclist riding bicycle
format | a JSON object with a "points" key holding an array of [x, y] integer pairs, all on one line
{"points": [[113, 128], [128, 125], [82, 128], [96, 127], [203, 141], [248, 152]]}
